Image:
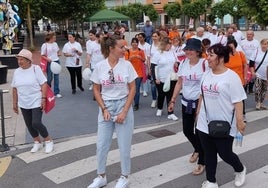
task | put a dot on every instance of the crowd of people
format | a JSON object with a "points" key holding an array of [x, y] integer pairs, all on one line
{"points": [[200, 67]]}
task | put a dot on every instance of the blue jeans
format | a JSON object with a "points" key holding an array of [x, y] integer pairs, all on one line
{"points": [[50, 76], [137, 94], [124, 134]]}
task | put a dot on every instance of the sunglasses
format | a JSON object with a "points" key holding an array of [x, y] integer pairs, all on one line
{"points": [[111, 76]]}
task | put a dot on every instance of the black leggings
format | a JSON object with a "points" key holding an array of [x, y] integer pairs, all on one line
{"points": [[221, 146], [162, 94], [33, 121], [191, 133], [75, 72]]}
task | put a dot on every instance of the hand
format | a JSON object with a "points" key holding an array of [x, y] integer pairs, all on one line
{"points": [[106, 115], [241, 126], [43, 104], [121, 118], [15, 108], [171, 106], [157, 81]]}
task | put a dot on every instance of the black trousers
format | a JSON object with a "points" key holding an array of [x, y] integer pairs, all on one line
{"points": [[223, 147], [33, 121], [162, 95], [191, 133], [75, 73]]}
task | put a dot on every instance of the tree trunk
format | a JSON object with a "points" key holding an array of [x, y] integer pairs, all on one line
{"points": [[222, 20], [29, 23]]}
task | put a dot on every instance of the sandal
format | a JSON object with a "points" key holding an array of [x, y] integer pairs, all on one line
{"points": [[194, 157], [199, 169]]}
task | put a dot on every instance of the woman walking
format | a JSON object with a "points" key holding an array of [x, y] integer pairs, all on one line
{"points": [[190, 73], [51, 52], [218, 103], [259, 68], [72, 50]]}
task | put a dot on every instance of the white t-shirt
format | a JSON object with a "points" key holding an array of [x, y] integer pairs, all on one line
{"points": [[165, 64], [213, 39], [221, 91], [222, 39], [68, 48], [146, 48], [178, 50], [123, 73], [238, 35], [261, 72], [94, 50], [28, 84], [154, 52], [50, 50], [249, 47], [191, 79]]}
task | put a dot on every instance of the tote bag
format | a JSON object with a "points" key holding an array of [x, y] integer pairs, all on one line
{"points": [[50, 100]]}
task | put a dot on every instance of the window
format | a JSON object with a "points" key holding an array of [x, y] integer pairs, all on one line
{"points": [[156, 1]]}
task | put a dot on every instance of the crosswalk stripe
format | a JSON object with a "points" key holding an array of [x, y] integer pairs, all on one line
{"points": [[79, 168], [256, 179], [88, 140], [173, 169], [75, 143]]}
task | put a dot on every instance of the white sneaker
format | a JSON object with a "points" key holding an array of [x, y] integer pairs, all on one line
{"points": [[145, 94], [122, 182], [36, 147], [173, 117], [98, 182], [59, 95], [49, 146], [240, 177], [159, 112], [153, 105], [90, 87], [207, 184]]}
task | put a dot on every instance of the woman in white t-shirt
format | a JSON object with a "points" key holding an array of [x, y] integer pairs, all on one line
{"points": [[259, 60], [72, 50], [29, 86], [190, 73], [114, 90], [166, 61], [94, 54], [51, 51], [221, 104]]}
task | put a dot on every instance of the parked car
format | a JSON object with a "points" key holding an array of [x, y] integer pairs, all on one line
{"points": [[140, 25]]}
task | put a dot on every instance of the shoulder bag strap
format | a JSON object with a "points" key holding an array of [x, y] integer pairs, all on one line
{"points": [[261, 62], [203, 97]]}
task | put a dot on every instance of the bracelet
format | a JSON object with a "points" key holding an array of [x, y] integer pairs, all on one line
{"points": [[103, 109]]}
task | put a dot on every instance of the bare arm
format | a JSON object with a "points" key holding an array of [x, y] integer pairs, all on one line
{"points": [[44, 95], [97, 95], [239, 117], [176, 92], [15, 100]]}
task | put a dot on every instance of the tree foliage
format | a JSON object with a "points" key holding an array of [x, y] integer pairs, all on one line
{"points": [[173, 10]]}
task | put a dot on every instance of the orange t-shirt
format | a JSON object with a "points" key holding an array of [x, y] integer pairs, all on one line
{"points": [[237, 62], [135, 61], [173, 34]]}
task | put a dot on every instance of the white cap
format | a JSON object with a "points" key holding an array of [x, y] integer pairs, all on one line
{"points": [[214, 27]]}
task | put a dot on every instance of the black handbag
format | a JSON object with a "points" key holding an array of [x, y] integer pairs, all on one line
{"points": [[217, 128]]}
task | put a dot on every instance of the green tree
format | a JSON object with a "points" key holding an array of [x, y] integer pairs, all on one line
{"points": [[194, 9], [219, 10], [173, 11], [136, 10]]}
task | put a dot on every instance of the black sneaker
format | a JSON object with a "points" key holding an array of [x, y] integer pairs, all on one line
{"points": [[136, 107]]}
